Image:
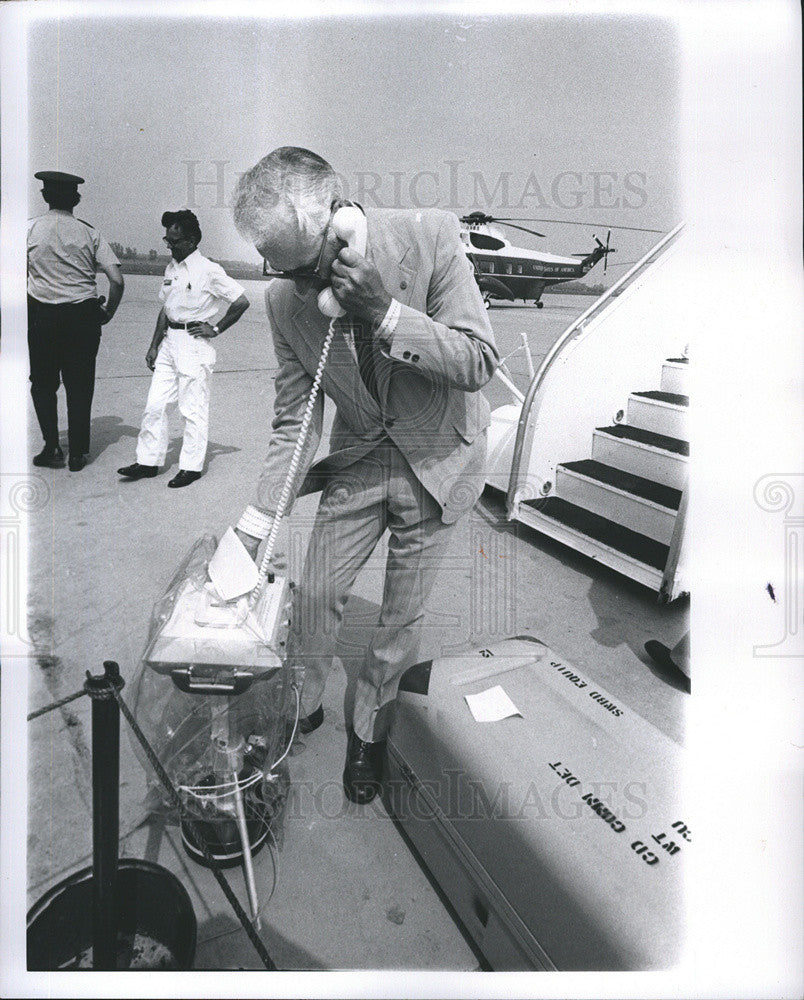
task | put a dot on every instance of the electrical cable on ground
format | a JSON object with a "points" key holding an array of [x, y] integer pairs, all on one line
{"points": [[273, 853]]}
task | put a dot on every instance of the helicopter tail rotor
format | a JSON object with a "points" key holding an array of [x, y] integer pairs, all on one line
{"points": [[606, 248]]}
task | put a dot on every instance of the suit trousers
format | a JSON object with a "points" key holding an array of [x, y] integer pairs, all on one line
{"points": [[378, 492], [63, 343]]}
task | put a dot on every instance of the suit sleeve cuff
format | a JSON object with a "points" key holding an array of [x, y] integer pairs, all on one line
{"points": [[255, 522], [386, 329]]}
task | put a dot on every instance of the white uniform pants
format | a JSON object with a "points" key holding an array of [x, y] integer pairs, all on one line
{"points": [[181, 375]]}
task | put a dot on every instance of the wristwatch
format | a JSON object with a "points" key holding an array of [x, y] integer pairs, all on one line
{"points": [[216, 330]]}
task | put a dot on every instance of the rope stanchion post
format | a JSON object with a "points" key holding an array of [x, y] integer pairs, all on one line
{"points": [[105, 812]]}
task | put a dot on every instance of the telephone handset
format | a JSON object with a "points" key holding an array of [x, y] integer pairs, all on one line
{"points": [[349, 225]]}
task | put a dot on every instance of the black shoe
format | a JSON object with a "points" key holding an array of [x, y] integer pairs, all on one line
{"points": [[363, 772], [50, 457], [76, 462], [671, 671], [137, 471], [307, 723], [660, 654], [183, 478]]}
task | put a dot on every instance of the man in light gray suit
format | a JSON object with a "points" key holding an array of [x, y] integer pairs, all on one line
{"points": [[408, 443]]}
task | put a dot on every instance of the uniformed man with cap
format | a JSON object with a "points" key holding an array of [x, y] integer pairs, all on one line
{"points": [[65, 315]]}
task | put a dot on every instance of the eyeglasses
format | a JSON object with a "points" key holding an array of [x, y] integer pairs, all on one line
{"points": [[297, 273]]}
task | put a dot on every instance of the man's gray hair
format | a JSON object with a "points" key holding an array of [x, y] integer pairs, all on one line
{"points": [[289, 182]]}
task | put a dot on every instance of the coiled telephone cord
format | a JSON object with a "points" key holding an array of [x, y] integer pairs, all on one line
{"points": [[294, 465]]}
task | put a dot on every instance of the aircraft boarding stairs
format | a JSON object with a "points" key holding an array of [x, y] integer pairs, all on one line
{"points": [[595, 454], [621, 505]]}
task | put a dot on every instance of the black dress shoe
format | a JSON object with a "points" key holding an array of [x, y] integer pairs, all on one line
{"points": [[307, 723], [183, 478], [363, 772], [50, 457], [76, 462], [660, 654], [137, 471]]}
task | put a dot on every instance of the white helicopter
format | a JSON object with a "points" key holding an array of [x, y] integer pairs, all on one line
{"points": [[505, 271]]}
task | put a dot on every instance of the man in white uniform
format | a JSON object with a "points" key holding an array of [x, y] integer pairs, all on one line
{"points": [[65, 315], [181, 355]]}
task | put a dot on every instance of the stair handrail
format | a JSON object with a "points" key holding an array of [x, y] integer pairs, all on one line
{"points": [[669, 583], [577, 326]]}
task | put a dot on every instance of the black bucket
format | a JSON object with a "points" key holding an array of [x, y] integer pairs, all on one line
{"points": [[220, 832], [156, 922]]}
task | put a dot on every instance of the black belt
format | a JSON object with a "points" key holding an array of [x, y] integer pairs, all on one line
{"points": [[181, 326]]}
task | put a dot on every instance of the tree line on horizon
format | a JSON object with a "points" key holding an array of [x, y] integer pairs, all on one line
{"points": [[134, 261]]}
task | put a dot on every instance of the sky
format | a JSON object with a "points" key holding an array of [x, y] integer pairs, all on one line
{"points": [[566, 118]]}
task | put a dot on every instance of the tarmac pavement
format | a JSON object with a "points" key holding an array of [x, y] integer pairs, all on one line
{"points": [[348, 893]]}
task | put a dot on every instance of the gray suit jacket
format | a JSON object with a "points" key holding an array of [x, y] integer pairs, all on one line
{"points": [[429, 370]]}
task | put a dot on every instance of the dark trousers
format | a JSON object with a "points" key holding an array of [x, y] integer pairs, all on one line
{"points": [[63, 343]]}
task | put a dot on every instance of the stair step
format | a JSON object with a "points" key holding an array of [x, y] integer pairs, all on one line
{"points": [[586, 485], [647, 489], [663, 441], [638, 547], [674, 378], [613, 446], [660, 412], [672, 398]]}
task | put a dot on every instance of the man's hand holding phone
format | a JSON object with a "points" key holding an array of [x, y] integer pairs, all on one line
{"points": [[250, 543], [358, 287]]}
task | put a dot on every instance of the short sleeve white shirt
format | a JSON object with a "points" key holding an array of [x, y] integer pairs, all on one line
{"points": [[194, 289], [64, 255]]}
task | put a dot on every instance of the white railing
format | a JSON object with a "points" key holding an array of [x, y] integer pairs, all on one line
{"points": [[585, 379]]}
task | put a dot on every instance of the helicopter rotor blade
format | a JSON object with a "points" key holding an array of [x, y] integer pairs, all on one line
{"points": [[522, 228], [482, 219], [599, 225]]}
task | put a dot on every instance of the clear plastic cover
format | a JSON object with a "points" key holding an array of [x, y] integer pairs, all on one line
{"points": [[211, 744]]}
